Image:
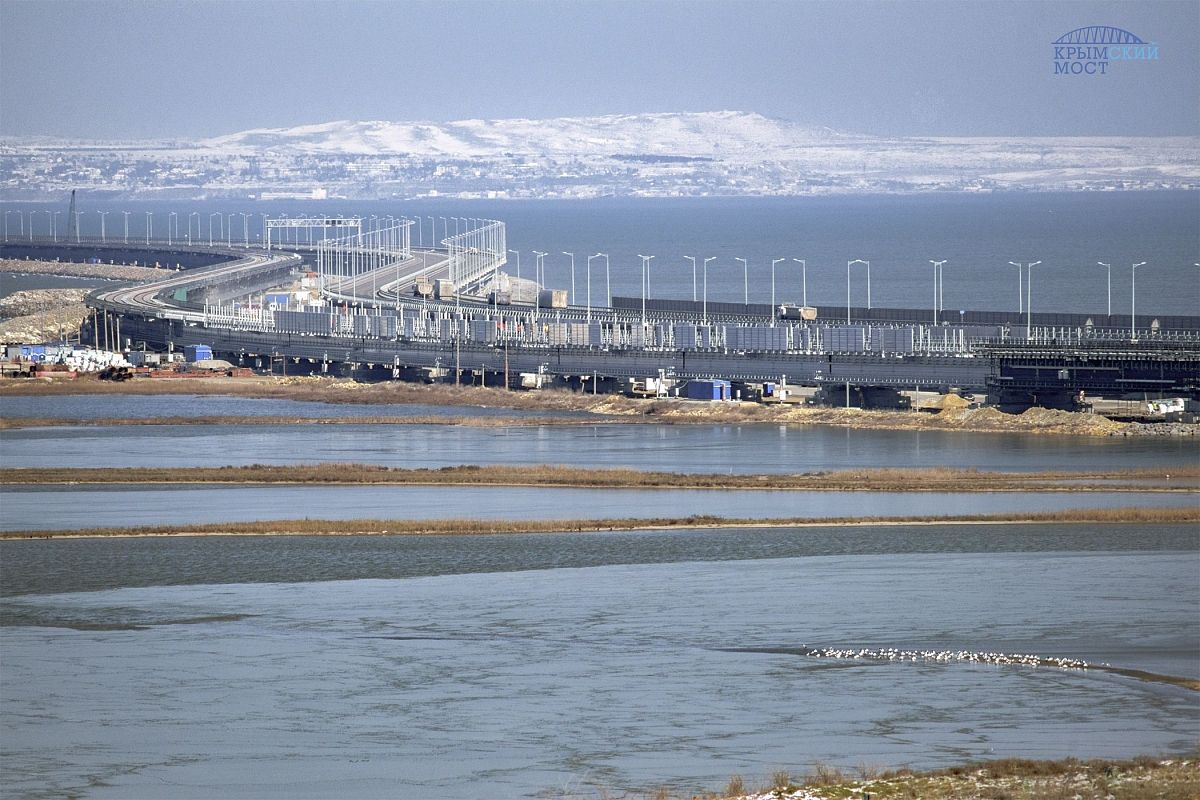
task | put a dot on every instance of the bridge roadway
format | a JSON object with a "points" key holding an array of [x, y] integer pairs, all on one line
{"points": [[151, 314], [156, 298], [382, 285]]}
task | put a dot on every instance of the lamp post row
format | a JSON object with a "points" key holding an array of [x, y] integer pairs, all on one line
{"points": [[224, 230]]}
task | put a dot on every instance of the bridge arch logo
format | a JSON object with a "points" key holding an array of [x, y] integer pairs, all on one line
{"points": [[1092, 49]]}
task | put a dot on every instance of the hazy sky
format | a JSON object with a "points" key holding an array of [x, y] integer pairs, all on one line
{"points": [[118, 69]]}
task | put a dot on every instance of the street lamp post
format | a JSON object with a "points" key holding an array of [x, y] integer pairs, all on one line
{"points": [[246, 229], [937, 303], [848, 265], [149, 225], [803, 281], [572, 255], [103, 234], [126, 213], [1133, 302], [745, 280], [774, 261], [54, 226], [538, 270], [1028, 267], [710, 258], [210, 231], [172, 227], [1020, 288], [519, 270], [645, 288], [1109, 268], [589, 286], [607, 280], [693, 260], [1029, 299]]}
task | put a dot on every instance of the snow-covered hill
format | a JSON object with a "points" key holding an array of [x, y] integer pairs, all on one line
{"points": [[660, 155], [707, 134]]}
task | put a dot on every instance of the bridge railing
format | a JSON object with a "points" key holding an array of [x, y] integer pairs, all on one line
{"points": [[363, 251], [478, 251]]}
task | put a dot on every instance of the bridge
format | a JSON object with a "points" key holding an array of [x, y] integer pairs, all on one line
{"points": [[373, 325]]}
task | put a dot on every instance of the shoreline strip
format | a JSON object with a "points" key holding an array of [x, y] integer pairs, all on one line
{"points": [[484, 527], [930, 480]]}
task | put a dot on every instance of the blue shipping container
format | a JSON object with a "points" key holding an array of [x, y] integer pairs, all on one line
{"points": [[197, 352], [708, 390]]}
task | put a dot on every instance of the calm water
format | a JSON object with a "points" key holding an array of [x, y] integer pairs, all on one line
{"points": [[184, 405], [545, 666], [677, 448], [978, 234], [50, 508]]}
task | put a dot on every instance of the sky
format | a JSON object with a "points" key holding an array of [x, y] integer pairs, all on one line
{"points": [[115, 69]]}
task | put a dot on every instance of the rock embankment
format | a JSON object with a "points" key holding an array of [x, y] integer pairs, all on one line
{"points": [[1159, 429], [41, 315], [119, 272], [37, 301]]}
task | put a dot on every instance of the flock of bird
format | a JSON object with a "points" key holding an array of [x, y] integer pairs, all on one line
{"points": [[948, 656]]}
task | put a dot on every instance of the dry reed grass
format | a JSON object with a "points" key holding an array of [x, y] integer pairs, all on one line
{"points": [[473, 527], [1141, 778], [891, 480]]}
